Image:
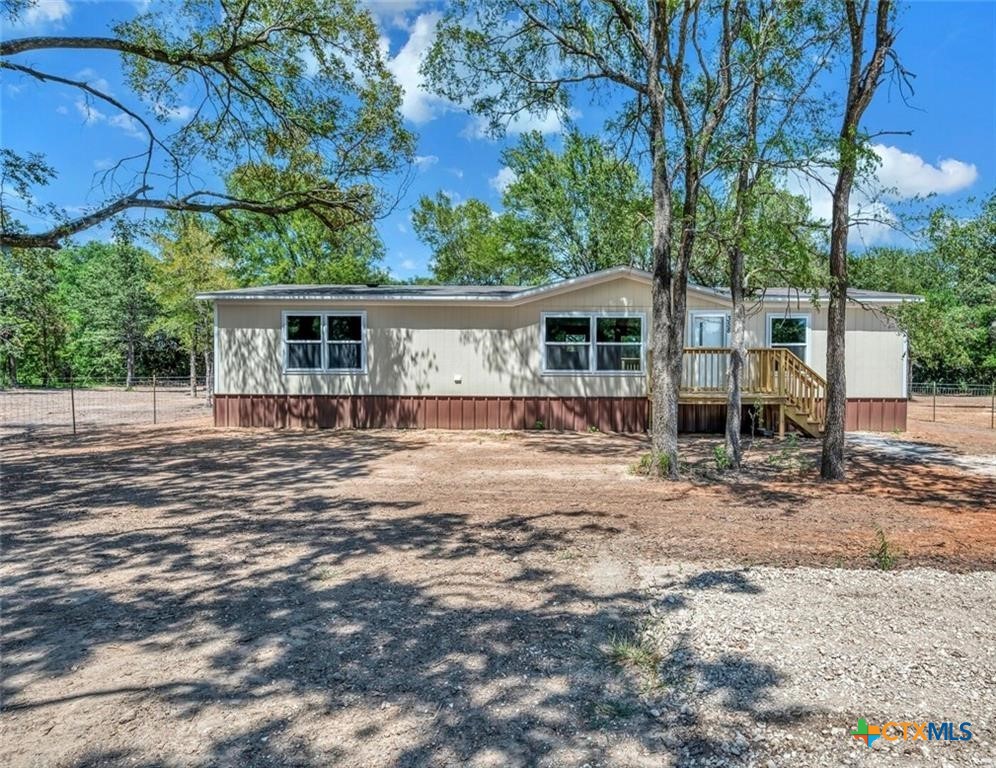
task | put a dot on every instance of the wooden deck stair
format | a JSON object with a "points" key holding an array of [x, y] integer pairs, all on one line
{"points": [[772, 377]]}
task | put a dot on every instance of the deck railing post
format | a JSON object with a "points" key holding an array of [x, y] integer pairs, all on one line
{"points": [[933, 416]]}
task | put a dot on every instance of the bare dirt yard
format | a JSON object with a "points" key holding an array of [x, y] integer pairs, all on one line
{"points": [[963, 423], [201, 597]]}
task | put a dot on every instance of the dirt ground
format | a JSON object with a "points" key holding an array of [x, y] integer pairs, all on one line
{"points": [[963, 423], [196, 597]]}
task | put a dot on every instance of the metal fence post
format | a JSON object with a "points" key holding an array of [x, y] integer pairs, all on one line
{"points": [[154, 399], [934, 416], [72, 401], [992, 405]]}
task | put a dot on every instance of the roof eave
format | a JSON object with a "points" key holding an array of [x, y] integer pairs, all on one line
{"points": [[549, 289]]}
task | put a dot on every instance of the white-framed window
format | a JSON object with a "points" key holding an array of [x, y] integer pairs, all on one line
{"points": [[791, 331], [593, 342], [325, 342], [708, 328]]}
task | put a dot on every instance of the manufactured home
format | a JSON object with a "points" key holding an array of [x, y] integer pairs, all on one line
{"points": [[569, 355]]}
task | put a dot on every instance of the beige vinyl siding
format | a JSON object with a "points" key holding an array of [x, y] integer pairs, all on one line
{"points": [[421, 349]]}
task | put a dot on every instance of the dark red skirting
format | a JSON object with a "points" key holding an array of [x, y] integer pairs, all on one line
{"points": [[608, 414], [576, 414]]}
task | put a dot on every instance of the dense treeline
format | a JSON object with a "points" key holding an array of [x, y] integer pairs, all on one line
{"points": [[116, 311], [952, 333]]}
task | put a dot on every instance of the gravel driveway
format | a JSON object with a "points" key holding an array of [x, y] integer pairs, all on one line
{"points": [[909, 452], [770, 666]]}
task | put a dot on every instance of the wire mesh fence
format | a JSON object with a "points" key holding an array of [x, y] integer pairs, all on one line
{"points": [[968, 404], [67, 407], [952, 390]]}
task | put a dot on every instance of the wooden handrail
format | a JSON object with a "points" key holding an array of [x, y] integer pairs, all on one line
{"points": [[770, 371]]}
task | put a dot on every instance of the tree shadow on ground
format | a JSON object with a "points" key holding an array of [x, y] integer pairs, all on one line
{"points": [[929, 484], [327, 623]]}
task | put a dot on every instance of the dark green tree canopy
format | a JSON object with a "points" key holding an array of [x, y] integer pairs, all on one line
{"points": [[299, 247], [952, 333], [474, 245], [583, 207], [565, 213]]}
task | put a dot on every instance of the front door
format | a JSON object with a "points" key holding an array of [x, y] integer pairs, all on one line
{"points": [[706, 370], [708, 330]]}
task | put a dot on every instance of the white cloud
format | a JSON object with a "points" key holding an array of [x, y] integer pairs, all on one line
{"points": [[425, 162], [409, 265], [545, 122], [103, 164], [393, 11], [62, 109], [900, 176], [417, 104], [458, 172], [90, 114], [181, 113], [91, 78], [502, 179], [128, 124], [43, 12], [402, 228], [93, 116], [903, 175]]}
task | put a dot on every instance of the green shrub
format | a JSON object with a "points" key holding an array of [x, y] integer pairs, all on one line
{"points": [[722, 458], [646, 464], [884, 555]]}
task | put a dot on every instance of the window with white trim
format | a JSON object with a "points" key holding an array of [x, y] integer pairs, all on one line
{"points": [[593, 343], [790, 332], [325, 341]]}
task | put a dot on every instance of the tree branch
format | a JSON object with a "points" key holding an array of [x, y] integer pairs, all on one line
{"points": [[312, 201]]}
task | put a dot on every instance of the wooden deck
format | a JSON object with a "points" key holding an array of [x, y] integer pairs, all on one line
{"points": [[772, 377]]}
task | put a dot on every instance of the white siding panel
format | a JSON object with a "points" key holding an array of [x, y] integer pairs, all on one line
{"points": [[419, 349]]}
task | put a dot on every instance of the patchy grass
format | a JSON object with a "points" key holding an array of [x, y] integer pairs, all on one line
{"points": [[637, 655]]}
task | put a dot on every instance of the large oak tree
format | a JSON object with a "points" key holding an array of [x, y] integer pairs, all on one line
{"points": [[214, 85], [669, 67]]}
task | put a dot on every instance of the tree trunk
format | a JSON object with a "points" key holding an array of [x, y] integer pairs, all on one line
{"points": [[12, 370], [832, 463], [862, 82], [666, 361], [130, 363], [193, 371], [738, 359]]}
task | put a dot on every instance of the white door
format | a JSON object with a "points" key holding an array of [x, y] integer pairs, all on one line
{"points": [[708, 330], [707, 370]]}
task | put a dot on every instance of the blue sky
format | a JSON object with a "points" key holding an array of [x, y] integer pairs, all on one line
{"points": [[951, 152]]}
